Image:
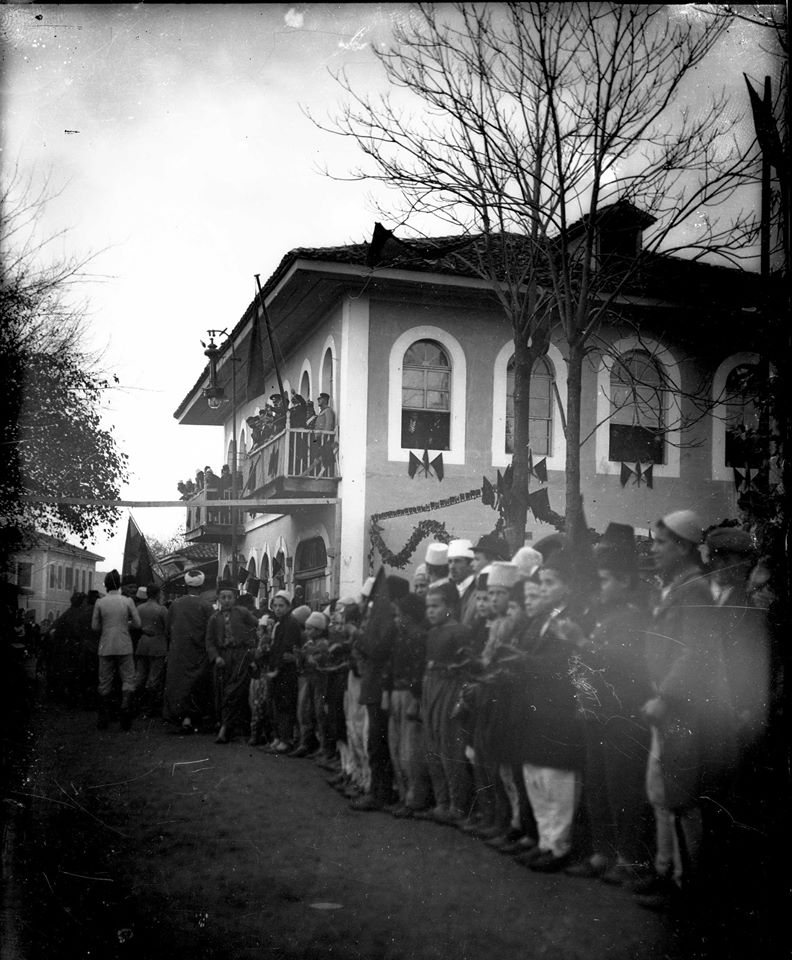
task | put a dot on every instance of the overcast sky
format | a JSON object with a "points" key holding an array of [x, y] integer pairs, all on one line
{"points": [[176, 138]]}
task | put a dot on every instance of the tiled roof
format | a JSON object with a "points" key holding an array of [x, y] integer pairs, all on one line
{"points": [[662, 277], [45, 541]]}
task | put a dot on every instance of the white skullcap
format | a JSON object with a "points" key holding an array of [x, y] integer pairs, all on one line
{"points": [[284, 596], [302, 613], [420, 571], [528, 561], [194, 578], [685, 524], [460, 549], [502, 574], [317, 620], [437, 554]]}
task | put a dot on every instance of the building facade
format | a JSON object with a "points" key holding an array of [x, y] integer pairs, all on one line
{"points": [[416, 357], [49, 572]]}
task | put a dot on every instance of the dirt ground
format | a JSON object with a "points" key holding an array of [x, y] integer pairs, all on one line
{"points": [[150, 844]]}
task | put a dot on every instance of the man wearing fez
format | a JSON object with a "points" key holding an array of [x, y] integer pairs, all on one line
{"points": [[462, 574], [230, 640], [187, 675], [436, 560], [689, 713]]}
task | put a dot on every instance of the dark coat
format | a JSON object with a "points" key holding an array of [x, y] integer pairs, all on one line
{"points": [[546, 729], [610, 674], [372, 649], [688, 671]]}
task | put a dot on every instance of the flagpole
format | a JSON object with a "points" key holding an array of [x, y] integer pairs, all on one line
{"points": [[269, 335]]}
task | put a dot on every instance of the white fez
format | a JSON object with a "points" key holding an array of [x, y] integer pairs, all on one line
{"points": [[460, 549], [502, 574], [436, 555]]}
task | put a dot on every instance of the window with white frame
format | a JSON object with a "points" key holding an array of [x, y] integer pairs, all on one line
{"points": [[638, 407], [636, 427], [540, 407], [426, 397], [741, 418]]}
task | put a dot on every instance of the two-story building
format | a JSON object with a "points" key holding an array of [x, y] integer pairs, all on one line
{"points": [[49, 571], [415, 354]]}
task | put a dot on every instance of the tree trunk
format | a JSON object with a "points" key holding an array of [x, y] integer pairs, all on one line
{"points": [[525, 357], [575, 520]]}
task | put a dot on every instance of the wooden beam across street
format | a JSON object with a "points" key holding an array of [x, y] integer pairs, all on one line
{"points": [[216, 504]]}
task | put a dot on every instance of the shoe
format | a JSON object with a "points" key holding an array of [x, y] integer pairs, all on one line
{"points": [[449, 817], [549, 863], [523, 845], [473, 826], [669, 901], [314, 754], [282, 748], [254, 742], [588, 869], [353, 792], [365, 803], [404, 813], [656, 884], [487, 833], [626, 875], [427, 814], [504, 839], [299, 752], [526, 859], [222, 735]]}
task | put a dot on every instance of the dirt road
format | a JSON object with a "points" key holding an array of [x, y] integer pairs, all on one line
{"points": [[149, 844]]}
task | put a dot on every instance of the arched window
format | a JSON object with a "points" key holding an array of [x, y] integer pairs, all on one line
{"points": [[426, 397], [327, 373], [305, 386], [540, 408], [741, 418], [242, 444], [637, 409], [279, 571]]}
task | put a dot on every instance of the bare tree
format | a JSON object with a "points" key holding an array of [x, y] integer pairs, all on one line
{"points": [[520, 124], [54, 443]]}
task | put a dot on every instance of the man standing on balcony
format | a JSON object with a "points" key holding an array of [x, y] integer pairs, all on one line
{"points": [[325, 419], [322, 445]]}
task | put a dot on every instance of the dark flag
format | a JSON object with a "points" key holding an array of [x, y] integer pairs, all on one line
{"points": [[487, 493], [256, 381], [413, 466], [437, 466], [138, 560], [626, 473], [539, 503], [766, 129], [648, 475], [539, 470]]}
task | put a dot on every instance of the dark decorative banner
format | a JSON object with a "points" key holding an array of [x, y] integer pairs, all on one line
{"points": [[425, 466], [641, 474]]}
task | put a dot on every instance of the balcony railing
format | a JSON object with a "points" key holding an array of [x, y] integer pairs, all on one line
{"points": [[210, 524], [299, 462]]}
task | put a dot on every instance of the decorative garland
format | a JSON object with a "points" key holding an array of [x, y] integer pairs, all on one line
{"points": [[402, 558], [427, 507]]}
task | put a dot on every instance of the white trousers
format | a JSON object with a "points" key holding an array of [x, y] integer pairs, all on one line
{"points": [[554, 796]]}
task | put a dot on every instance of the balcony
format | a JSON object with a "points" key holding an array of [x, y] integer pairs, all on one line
{"points": [[212, 524], [295, 464]]}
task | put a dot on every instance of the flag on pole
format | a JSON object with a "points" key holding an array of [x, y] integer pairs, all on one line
{"points": [[256, 381], [139, 562]]}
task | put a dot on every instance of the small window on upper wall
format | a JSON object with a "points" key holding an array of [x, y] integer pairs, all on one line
{"points": [[637, 403], [741, 418], [426, 397], [540, 408]]}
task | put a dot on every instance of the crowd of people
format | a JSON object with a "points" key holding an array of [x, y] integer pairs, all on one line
{"points": [[578, 713], [207, 481]]}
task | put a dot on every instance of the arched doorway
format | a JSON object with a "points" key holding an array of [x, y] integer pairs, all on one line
{"points": [[310, 565]]}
